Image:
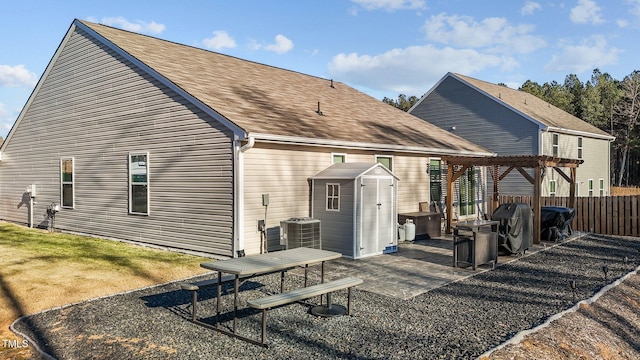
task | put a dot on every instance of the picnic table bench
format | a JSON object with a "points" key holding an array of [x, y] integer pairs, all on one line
{"points": [[266, 303]]}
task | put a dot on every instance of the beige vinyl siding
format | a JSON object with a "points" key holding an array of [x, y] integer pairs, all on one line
{"points": [[282, 171], [97, 107], [595, 153]]}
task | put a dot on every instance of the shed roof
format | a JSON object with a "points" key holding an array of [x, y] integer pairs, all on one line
{"points": [[351, 171], [533, 107], [282, 105]]}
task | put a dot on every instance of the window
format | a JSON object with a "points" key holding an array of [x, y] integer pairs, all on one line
{"points": [[555, 144], [435, 180], [552, 187], [467, 192], [386, 161], [601, 187], [333, 197], [338, 158], [590, 182], [66, 183], [580, 148], [139, 183]]}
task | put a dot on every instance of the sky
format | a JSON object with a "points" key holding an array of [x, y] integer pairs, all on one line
{"points": [[381, 47]]}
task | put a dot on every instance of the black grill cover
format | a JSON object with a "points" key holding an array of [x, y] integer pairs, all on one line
{"points": [[515, 233], [556, 222]]}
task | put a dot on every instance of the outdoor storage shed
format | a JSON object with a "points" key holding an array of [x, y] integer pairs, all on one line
{"points": [[356, 204]]}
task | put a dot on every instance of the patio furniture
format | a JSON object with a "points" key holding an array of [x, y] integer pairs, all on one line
{"points": [[258, 265], [475, 243], [427, 223]]}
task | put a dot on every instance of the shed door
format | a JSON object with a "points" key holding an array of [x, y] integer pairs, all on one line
{"points": [[377, 224]]}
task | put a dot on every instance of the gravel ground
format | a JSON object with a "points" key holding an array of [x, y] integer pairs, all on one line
{"points": [[458, 321]]}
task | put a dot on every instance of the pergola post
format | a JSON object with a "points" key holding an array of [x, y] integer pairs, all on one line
{"points": [[449, 208], [537, 212]]}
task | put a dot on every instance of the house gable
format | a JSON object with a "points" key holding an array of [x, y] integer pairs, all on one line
{"points": [[96, 107], [454, 106]]}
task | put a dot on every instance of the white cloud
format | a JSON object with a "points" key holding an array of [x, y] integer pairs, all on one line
{"points": [[281, 46], [138, 26], [219, 40], [390, 5], [635, 7], [492, 34], [529, 8], [15, 76], [591, 53], [408, 70], [6, 120], [586, 12]]}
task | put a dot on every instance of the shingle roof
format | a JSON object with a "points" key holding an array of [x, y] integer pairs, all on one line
{"points": [[263, 99], [532, 106]]}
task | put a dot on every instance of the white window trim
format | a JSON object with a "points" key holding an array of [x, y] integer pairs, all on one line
{"points": [[337, 154], [601, 186], [72, 182], [145, 183], [386, 157], [590, 187], [327, 197], [555, 145], [580, 147], [555, 187]]}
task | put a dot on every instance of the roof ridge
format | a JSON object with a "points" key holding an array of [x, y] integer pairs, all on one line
{"points": [[90, 24]]}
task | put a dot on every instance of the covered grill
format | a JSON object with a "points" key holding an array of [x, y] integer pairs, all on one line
{"points": [[515, 233], [556, 222]]}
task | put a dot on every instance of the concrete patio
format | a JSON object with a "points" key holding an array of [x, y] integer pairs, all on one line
{"points": [[416, 268]]}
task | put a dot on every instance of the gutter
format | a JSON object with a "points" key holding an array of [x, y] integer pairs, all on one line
{"points": [[579, 133], [353, 145]]}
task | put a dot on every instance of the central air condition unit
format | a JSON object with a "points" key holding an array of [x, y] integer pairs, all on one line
{"points": [[300, 232]]}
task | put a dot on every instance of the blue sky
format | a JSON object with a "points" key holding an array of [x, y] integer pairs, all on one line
{"points": [[381, 47]]}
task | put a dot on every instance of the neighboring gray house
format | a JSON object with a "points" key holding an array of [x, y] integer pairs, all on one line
{"points": [[156, 142], [512, 122]]}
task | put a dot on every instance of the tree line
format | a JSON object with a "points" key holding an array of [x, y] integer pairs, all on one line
{"points": [[609, 104]]}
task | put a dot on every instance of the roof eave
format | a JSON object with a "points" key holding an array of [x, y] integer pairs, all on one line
{"points": [[580, 133], [354, 145]]}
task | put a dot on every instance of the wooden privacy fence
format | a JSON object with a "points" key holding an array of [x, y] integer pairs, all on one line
{"points": [[606, 215]]}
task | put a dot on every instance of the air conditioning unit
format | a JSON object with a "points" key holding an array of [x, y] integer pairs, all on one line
{"points": [[300, 232]]}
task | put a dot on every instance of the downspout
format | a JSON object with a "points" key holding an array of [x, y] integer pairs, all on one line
{"points": [[239, 191]]}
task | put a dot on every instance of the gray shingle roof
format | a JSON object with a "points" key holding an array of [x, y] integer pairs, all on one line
{"points": [[262, 99], [532, 106]]}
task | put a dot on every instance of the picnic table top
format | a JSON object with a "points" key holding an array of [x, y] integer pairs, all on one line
{"points": [[270, 262]]}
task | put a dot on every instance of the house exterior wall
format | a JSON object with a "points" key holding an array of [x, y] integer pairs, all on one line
{"points": [[283, 172], [595, 153], [96, 107]]}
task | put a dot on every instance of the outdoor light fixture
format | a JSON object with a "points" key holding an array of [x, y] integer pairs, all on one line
{"points": [[572, 285]]}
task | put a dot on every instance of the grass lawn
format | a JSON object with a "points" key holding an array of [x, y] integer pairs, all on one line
{"points": [[40, 270]]}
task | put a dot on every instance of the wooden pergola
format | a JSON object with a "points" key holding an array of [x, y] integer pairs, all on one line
{"points": [[457, 165]]}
